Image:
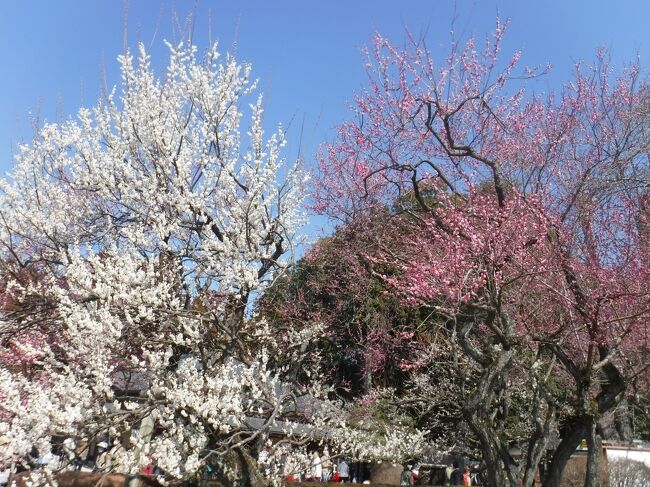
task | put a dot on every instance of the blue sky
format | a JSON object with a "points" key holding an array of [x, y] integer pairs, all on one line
{"points": [[306, 53]]}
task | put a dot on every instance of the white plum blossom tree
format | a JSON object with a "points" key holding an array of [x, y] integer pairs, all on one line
{"points": [[134, 240]]}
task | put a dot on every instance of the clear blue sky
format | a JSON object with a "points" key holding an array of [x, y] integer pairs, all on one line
{"points": [[307, 53]]}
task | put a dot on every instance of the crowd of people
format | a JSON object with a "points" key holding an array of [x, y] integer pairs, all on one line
{"points": [[80, 456], [453, 475], [280, 462], [296, 466], [69, 453], [284, 463]]}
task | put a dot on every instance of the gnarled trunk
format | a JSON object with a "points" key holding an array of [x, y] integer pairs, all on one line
{"points": [[495, 474], [593, 457], [570, 441], [238, 468]]}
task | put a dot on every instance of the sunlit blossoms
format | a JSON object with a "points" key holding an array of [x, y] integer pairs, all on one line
{"points": [[134, 239]]}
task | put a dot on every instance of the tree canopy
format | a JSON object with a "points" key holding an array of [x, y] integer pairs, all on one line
{"points": [[533, 251], [135, 239]]}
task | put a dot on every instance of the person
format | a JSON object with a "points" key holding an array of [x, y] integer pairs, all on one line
{"points": [[467, 480], [456, 475], [416, 473], [327, 466], [449, 469], [103, 461], [474, 479], [282, 463], [316, 467], [69, 455], [344, 471], [407, 476], [204, 473], [290, 468], [4, 476], [335, 474], [49, 459]]}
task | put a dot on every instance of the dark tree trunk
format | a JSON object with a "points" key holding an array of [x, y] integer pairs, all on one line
{"points": [[617, 426], [495, 476], [477, 414], [611, 394], [593, 456], [571, 438], [238, 469], [538, 440]]}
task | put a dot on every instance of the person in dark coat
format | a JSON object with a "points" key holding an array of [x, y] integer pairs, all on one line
{"points": [[456, 475], [407, 476]]}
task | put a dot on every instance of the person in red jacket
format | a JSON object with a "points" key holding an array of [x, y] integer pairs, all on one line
{"points": [[467, 479]]}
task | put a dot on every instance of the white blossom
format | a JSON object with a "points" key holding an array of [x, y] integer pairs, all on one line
{"points": [[139, 234]]}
